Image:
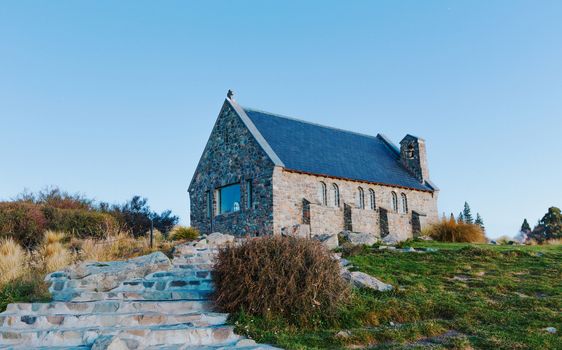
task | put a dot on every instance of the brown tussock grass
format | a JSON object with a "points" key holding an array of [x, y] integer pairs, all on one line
{"points": [[453, 231], [13, 261]]}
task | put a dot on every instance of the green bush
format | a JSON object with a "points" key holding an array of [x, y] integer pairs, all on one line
{"points": [[23, 221], [80, 223], [184, 233], [295, 279]]}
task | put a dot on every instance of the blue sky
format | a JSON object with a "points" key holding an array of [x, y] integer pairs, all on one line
{"points": [[113, 99]]}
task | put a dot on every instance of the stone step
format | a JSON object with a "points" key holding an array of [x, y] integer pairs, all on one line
{"points": [[23, 321], [180, 273], [180, 294], [170, 284], [195, 267], [147, 336], [110, 306]]}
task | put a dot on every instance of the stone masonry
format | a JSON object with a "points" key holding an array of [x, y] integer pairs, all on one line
{"points": [[144, 303], [283, 199]]}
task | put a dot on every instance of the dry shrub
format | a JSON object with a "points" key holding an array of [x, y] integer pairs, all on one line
{"points": [[293, 278], [119, 246], [53, 255], [184, 233], [504, 240], [13, 261], [452, 231], [554, 241]]}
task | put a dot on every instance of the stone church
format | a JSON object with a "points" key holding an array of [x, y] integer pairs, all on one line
{"points": [[262, 173]]}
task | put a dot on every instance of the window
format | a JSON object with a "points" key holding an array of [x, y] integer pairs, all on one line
{"points": [[394, 202], [372, 197], [323, 194], [248, 194], [336, 192], [404, 203], [411, 152], [361, 198], [209, 200], [229, 198]]}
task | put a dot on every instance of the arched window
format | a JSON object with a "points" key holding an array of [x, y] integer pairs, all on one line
{"points": [[361, 198], [336, 195], [372, 198], [404, 203], [323, 193], [394, 202]]}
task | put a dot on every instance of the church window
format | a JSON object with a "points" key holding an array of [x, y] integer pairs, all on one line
{"points": [[336, 195], [229, 198], [404, 203], [323, 193], [360, 198], [373, 199], [394, 202]]}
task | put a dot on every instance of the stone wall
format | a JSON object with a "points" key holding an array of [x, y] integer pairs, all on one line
{"points": [[232, 155], [289, 189]]}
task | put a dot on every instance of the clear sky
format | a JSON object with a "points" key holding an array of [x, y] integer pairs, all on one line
{"points": [[116, 98]]}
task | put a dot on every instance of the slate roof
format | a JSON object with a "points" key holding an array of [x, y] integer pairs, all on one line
{"points": [[321, 150]]}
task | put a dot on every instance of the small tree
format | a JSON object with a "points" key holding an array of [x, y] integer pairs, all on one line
{"points": [[550, 226], [467, 215], [525, 227], [460, 218], [480, 222]]}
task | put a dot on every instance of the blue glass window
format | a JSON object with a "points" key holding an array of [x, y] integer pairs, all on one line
{"points": [[229, 198]]}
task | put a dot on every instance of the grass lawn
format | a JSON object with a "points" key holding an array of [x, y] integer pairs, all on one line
{"points": [[464, 296]]}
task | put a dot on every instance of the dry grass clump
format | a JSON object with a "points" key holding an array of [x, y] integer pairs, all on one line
{"points": [[53, 255], [293, 278], [453, 231], [120, 246], [13, 261], [184, 233]]}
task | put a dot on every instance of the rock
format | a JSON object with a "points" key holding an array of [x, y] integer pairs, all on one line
{"points": [[409, 250], [296, 231], [551, 330], [358, 238], [330, 241], [363, 280], [344, 262], [246, 342], [109, 343], [431, 250], [218, 239], [425, 238], [343, 334]]}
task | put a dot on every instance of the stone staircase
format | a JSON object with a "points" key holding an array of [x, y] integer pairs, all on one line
{"points": [[144, 303]]}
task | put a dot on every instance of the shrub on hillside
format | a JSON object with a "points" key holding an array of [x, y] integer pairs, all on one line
{"points": [[22, 221], [184, 233], [273, 276], [79, 222], [453, 231]]}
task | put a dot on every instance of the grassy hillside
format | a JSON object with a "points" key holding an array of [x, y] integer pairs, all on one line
{"points": [[463, 296]]}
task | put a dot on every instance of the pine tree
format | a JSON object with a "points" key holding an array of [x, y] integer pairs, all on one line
{"points": [[525, 227], [480, 222], [452, 219], [460, 218], [467, 215]]}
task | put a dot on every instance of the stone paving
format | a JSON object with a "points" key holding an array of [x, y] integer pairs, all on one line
{"points": [[145, 303]]}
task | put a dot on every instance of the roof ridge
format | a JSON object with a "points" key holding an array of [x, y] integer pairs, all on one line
{"points": [[308, 122]]}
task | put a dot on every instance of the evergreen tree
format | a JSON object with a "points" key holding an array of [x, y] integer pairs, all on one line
{"points": [[467, 215], [452, 219], [480, 222], [525, 227], [550, 226], [460, 218]]}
